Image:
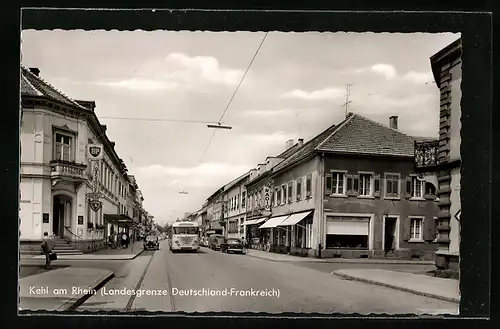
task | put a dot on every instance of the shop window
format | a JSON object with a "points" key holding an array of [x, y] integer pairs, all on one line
{"points": [[346, 241]]}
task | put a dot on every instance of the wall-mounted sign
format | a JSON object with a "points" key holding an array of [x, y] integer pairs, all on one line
{"points": [[96, 177], [267, 197], [45, 218], [95, 152], [80, 220], [95, 205]]}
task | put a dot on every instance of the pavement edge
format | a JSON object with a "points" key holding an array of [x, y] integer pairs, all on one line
{"points": [[386, 285], [345, 261], [101, 282]]}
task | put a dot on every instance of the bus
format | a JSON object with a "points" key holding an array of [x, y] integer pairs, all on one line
{"points": [[185, 236]]}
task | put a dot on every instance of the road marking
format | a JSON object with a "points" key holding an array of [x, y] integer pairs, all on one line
{"points": [[138, 286]]}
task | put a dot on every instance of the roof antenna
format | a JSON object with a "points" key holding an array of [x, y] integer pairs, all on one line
{"points": [[347, 95]]}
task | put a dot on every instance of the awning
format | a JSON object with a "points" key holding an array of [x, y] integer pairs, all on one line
{"points": [[295, 218], [274, 221], [121, 220], [254, 221]]}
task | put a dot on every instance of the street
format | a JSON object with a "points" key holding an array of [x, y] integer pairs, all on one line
{"points": [[298, 287]]}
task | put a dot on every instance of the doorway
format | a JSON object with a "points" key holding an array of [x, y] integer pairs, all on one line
{"points": [[390, 234], [61, 214]]}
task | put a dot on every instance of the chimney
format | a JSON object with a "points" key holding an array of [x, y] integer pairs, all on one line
{"points": [[289, 144], [104, 127], [300, 142], [393, 122], [35, 71]]}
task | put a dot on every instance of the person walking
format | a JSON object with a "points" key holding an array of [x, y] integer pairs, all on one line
{"points": [[47, 247], [124, 240]]}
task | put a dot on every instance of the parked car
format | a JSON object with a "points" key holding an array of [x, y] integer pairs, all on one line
{"points": [[232, 245], [152, 243], [214, 241]]}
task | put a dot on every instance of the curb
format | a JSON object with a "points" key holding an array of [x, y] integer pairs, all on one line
{"points": [[386, 285], [346, 261], [74, 305]]}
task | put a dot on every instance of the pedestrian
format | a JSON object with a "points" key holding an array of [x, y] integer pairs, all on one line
{"points": [[124, 240], [47, 248]]}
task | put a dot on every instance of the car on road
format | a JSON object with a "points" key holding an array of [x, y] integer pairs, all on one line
{"points": [[152, 243], [215, 241], [232, 245]]}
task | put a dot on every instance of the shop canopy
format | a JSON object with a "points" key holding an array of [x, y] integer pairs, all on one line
{"points": [[274, 221], [255, 221], [295, 218], [120, 220]]}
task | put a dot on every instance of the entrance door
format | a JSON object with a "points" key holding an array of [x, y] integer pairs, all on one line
{"points": [[389, 234], [57, 215]]}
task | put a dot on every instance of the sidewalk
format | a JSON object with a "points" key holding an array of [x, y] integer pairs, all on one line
{"points": [[105, 254], [271, 256], [438, 288], [60, 290]]}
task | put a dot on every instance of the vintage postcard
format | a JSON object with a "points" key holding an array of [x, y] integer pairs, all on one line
{"points": [[270, 172]]}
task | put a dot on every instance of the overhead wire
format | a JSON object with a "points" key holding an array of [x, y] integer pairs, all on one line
{"points": [[234, 94]]}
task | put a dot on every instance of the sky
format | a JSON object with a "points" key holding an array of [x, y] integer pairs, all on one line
{"points": [[295, 88]]}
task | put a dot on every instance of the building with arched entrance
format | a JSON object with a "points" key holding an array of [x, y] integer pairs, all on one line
{"points": [[58, 180]]}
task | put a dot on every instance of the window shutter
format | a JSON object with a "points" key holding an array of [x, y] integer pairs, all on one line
{"points": [[328, 184], [349, 189], [376, 185], [429, 229], [406, 229], [407, 184], [355, 184]]}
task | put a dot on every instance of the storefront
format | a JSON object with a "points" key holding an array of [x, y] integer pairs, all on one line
{"points": [[298, 232], [279, 237], [118, 224], [255, 237]]}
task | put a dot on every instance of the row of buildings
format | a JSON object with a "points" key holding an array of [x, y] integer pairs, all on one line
{"points": [[358, 189], [59, 184]]}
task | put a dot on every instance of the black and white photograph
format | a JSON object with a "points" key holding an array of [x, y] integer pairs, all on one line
{"points": [[199, 171]]}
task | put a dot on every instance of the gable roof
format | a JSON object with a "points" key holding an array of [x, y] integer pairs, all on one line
{"points": [[236, 181], [355, 135], [33, 85]]}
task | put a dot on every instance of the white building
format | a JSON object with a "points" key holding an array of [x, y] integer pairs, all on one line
{"points": [[56, 176], [235, 206]]}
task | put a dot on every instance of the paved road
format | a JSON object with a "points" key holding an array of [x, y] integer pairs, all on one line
{"points": [[298, 288]]}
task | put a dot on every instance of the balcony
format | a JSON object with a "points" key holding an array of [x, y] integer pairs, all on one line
{"points": [[426, 155], [68, 171]]}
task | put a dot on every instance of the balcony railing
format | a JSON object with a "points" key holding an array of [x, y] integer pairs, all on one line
{"points": [[68, 170], [426, 154]]}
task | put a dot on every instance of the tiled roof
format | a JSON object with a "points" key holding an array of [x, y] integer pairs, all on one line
{"points": [[355, 135], [306, 149], [361, 135], [286, 153], [32, 85]]}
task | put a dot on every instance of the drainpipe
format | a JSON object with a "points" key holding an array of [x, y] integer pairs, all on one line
{"points": [[320, 202]]}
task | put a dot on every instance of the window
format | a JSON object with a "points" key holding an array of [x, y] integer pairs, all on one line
{"points": [[290, 190], [416, 229], [260, 198], [309, 235], [243, 199], [392, 185], [338, 186], [414, 187], [299, 189], [365, 184], [283, 193], [308, 186], [63, 147], [278, 197]]}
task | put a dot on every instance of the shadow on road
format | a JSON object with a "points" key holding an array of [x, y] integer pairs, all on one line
{"points": [[34, 269]]}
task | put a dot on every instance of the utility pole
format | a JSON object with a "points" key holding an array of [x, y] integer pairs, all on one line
{"points": [[347, 95]]}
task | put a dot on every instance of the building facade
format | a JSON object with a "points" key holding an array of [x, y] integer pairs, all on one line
{"points": [[56, 174], [234, 201], [352, 192], [442, 158]]}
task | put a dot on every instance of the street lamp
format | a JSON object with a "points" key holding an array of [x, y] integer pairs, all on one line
{"points": [[219, 126]]}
